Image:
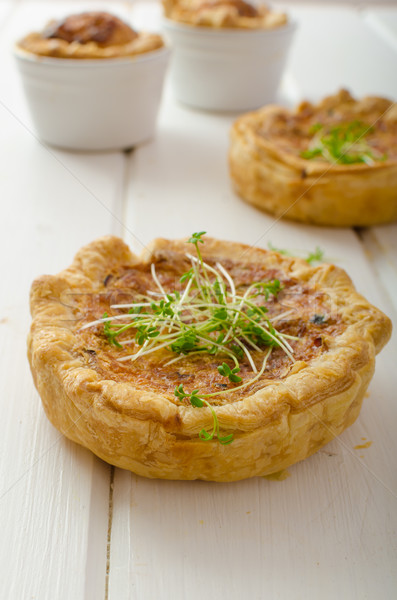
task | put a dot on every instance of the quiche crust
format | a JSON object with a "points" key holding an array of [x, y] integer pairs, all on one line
{"points": [[153, 434], [268, 170], [90, 35]]}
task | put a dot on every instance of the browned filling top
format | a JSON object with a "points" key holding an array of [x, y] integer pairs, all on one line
{"points": [[223, 14], [368, 126], [100, 27], [90, 35], [243, 8], [304, 312]]}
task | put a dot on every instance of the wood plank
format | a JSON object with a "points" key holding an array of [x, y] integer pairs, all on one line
{"points": [[383, 20], [381, 242], [5, 9], [54, 494], [327, 530], [381, 247], [331, 51], [157, 524]]}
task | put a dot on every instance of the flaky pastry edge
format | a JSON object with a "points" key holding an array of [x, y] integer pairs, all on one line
{"points": [[152, 436], [36, 45]]}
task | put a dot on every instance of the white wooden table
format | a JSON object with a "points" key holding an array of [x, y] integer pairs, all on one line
{"points": [[72, 528]]}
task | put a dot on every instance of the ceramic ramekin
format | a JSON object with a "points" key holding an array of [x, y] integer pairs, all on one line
{"points": [[227, 69], [98, 104]]}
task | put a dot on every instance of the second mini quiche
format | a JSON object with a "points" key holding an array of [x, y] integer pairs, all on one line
{"points": [[223, 14], [334, 163]]}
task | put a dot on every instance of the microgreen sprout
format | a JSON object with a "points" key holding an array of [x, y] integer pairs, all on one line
{"points": [[209, 316], [316, 255], [279, 250], [345, 144], [110, 332], [198, 402], [195, 239], [226, 371], [186, 276]]}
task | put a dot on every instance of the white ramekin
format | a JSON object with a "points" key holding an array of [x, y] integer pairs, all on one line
{"points": [[227, 69], [99, 104]]}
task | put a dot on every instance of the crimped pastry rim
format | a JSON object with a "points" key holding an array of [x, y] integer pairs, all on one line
{"points": [[330, 375], [84, 63], [208, 30]]}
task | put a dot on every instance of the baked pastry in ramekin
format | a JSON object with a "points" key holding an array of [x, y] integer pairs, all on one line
{"points": [[92, 82], [332, 163], [213, 360], [90, 35], [227, 55], [223, 14]]}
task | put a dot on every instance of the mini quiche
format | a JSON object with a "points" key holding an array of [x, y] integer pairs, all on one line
{"points": [[334, 163], [201, 359], [223, 14], [90, 35]]}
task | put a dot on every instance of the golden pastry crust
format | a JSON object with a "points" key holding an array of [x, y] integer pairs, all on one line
{"points": [[90, 35], [132, 420], [223, 14], [268, 170]]}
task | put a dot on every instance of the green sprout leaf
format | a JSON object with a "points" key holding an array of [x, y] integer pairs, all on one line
{"points": [[196, 238], [316, 256], [279, 250], [110, 332], [269, 288], [345, 144], [195, 400], [309, 154], [179, 392], [226, 371], [187, 276], [198, 401]]}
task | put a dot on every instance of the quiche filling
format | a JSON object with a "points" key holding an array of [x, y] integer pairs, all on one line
{"points": [[191, 328], [338, 130]]}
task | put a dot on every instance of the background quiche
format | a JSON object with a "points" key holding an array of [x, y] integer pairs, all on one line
{"points": [[223, 14], [201, 359], [90, 35], [334, 163]]}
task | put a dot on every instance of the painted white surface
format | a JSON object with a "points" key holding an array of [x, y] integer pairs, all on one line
{"points": [[329, 530], [383, 20], [381, 247], [53, 494], [336, 47]]}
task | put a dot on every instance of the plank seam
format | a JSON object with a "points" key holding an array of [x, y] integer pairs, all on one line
{"points": [[364, 235], [109, 537]]}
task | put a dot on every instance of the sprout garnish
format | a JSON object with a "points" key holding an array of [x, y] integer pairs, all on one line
{"points": [[344, 144], [314, 256], [209, 317]]}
